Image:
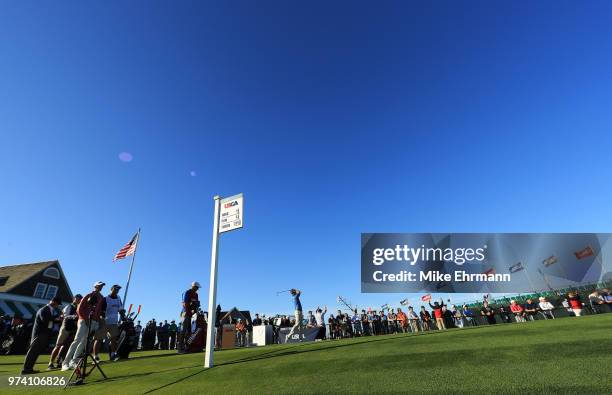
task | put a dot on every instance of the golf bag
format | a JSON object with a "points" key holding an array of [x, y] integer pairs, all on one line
{"points": [[127, 338], [17, 339], [197, 340]]}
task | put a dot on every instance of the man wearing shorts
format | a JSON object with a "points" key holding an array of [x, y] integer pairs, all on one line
{"points": [[67, 330], [109, 327]]}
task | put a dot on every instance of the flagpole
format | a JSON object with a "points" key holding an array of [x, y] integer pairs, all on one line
{"points": [[212, 292], [131, 267]]}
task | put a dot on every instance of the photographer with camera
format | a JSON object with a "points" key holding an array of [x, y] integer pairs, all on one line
{"points": [[67, 330], [191, 304], [112, 308], [89, 308]]}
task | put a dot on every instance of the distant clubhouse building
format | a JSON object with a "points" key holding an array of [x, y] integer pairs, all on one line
{"points": [[27, 287]]}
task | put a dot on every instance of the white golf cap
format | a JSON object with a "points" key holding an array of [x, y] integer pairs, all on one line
{"points": [[196, 284], [99, 283]]}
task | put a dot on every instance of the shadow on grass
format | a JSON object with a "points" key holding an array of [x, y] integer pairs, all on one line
{"points": [[176, 381]]}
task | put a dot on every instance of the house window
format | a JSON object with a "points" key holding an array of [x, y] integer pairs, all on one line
{"points": [[52, 272], [39, 291], [51, 292]]}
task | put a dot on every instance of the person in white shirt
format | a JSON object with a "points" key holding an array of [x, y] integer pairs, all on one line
{"points": [[546, 308], [113, 306], [413, 320], [138, 330], [320, 320]]}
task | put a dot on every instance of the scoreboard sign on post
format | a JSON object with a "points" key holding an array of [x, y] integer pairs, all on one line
{"points": [[231, 213], [228, 216]]}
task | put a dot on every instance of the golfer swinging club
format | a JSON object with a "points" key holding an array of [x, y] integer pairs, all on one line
{"points": [[298, 313]]}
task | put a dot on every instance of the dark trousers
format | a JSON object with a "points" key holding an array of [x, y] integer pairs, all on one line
{"points": [[184, 334], [37, 346], [172, 340]]}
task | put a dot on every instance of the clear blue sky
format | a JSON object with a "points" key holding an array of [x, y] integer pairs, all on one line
{"points": [[333, 119]]}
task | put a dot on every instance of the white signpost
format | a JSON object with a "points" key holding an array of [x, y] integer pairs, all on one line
{"points": [[228, 216]]}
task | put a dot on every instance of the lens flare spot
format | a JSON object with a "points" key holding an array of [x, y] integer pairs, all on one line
{"points": [[125, 157]]}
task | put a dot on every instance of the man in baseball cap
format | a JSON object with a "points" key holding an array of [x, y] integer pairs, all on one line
{"points": [[109, 325], [191, 304], [90, 308]]}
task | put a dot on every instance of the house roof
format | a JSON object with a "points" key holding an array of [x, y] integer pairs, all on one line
{"points": [[235, 313], [17, 274]]}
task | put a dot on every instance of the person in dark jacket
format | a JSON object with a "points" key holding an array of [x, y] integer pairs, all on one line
{"points": [[46, 317]]}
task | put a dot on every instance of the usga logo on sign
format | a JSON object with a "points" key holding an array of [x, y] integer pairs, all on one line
{"points": [[230, 204]]}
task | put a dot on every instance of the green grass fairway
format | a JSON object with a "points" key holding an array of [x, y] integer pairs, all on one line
{"points": [[570, 355]]}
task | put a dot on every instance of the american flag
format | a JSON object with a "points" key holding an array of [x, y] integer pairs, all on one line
{"points": [[127, 249]]}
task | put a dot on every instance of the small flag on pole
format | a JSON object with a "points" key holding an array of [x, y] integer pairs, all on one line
{"points": [[384, 307], [551, 260], [585, 252], [426, 298], [404, 302], [517, 267], [127, 249]]}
